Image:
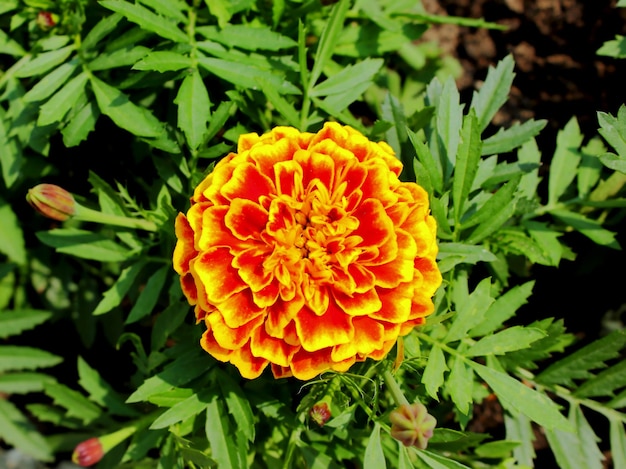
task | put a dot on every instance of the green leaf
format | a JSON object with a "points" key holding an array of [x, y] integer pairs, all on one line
{"points": [[494, 92], [615, 48], [467, 159], [431, 164], [506, 140], [575, 449], [590, 167], [328, 40], [590, 228], [11, 235], [374, 458], [146, 19], [14, 357], [348, 78], [18, 431], [546, 239], [434, 371], [42, 63], [518, 398], [182, 370], [62, 101], [237, 403], [101, 30], [578, 364], [512, 338], [11, 157], [51, 82], [437, 461], [74, 402], [519, 428], [459, 385], [565, 160], [281, 104], [604, 383], [23, 383], [502, 309], [9, 46], [194, 109], [127, 115], [80, 124], [449, 119], [618, 443], [167, 322], [613, 129], [193, 405], [149, 296], [84, 244], [471, 311], [118, 58], [252, 37], [529, 155], [100, 391], [164, 61], [245, 75], [223, 446], [16, 321], [174, 9]]}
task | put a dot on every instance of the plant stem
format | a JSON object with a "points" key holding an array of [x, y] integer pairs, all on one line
{"points": [[87, 214], [394, 389]]}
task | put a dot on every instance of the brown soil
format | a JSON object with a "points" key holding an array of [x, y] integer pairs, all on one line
{"points": [[554, 43]]}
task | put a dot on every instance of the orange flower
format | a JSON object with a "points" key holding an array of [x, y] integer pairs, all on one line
{"points": [[305, 251]]}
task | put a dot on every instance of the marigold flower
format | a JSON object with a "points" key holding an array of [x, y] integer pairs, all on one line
{"points": [[88, 452], [304, 251], [52, 201], [412, 425]]}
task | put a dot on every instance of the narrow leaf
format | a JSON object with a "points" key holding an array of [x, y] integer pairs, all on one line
{"points": [[44, 62], [588, 227], [565, 160], [374, 458], [164, 61], [349, 77], [512, 338], [14, 357], [437, 461], [434, 371], [506, 140], [449, 118], [471, 311], [11, 234], [466, 163], [62, 101], [194, 109], [223, 446], [618, 443], [100, 391], [74, 402], [16, 321], [193, 405], [494, 213], [252, 38], [237, 403], [81, 124], [519, 428], [19, 432], [494, 92], [24, 382], [281, 104], [149, 296], [84, 244], [459, 385], [51, 82]]}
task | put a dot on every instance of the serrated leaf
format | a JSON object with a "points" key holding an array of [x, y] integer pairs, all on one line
{"points": [[508, 340], [588, 227], [518, 428], [449, 119], [43, 62], [62, 101], [613, 129], [459, 385], [10, 46], [437, 461], [194, 109], [281, 104], [604, 383], [84, 244], [590, 167], [436, 366], [431, 164], [11, 234], [19, 432], [23, 382], [14, 357], [374, 458], [618, 443], [223, 447], [146, 19], [167, 322], [467, 159], [193, 405], [74, 402], [100, 391], [164, 61], [518, 242], [518, 398], [118, 58], [615, 48], [471, 311], [101, 30], [51, 82], [252, 37], [565, 160], [169, 8], [81, 124], [578, 364], [502, 309], [348, 78], [179, 372], [494, 92], [237, 404], [149, 296], [573, 450], [15, 321], [506, 140], [126, 114], [245, 75], [546, 238]]}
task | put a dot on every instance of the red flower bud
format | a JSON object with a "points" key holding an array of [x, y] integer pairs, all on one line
{"points": [[412, 425], [320, 413], [88, 453], [52, 201], [47, 20]]}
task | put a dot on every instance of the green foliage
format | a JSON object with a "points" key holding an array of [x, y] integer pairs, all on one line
{"points": [[149, 94]]}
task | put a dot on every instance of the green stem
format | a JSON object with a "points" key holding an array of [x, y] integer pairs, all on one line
{"points": [[394, 389], [87, 214], [291, 447]]}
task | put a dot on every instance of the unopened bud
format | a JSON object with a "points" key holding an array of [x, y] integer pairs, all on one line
{"points": [[47, 20], [320, 413], [52, 201], [412, 425], [88, 453]]}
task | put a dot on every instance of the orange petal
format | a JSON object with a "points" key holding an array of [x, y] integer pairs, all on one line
{"points": [[288, 175], [249, 366], [318, 332], [275, 350], [358, 304], [315, 166], [247, 183], [220, 279], [240, 309], [184, 250], [396, 304], [307, 365], [281, 314], [245, 219], [231, 338], [375, 227], [214, 232]]}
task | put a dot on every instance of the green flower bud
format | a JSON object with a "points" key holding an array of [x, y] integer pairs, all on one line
{"points": [[52, 201], [412, 425]]}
